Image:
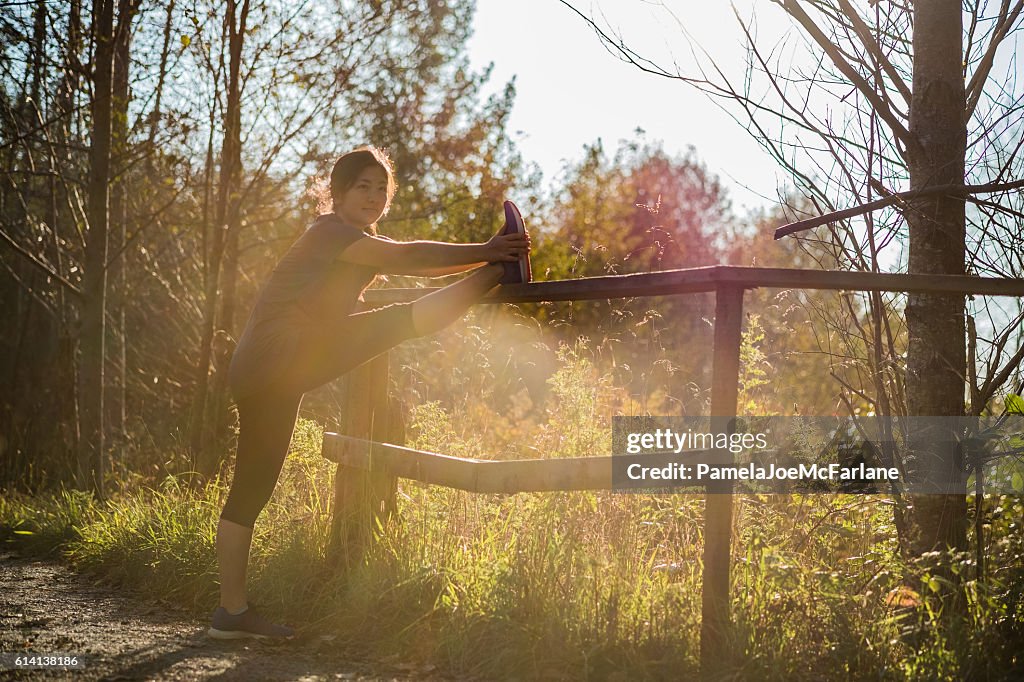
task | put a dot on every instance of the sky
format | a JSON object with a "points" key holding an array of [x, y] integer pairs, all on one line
{"points": [[572, 91]]}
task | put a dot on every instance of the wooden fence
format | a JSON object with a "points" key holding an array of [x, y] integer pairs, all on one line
{"points": [[369, 466]]}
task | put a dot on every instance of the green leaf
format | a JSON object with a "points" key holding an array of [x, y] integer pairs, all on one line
{"points": [[1017, 482], [1014, 404], [934, 585], [23, 532], [185, 40]]}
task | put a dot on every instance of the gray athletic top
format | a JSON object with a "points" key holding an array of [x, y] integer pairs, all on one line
{"points": [[308, 290]]}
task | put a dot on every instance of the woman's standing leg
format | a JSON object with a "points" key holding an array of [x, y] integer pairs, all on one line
{"points": [[233, 543], [266, 422]]}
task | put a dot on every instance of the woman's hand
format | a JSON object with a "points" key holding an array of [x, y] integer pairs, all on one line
{"points": [[507, 247]]}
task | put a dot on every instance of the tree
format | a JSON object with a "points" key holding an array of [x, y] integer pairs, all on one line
{"points": [[225, 219], [93, 455], [121, 93], [640, 210], [936, 371], [310, 85], [870, 112]]}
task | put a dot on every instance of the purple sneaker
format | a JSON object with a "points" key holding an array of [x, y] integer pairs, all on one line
{"points": [[248, 623], [515, 273]]}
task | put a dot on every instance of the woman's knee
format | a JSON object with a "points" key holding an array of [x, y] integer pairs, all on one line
{"points": [[243, 509]]}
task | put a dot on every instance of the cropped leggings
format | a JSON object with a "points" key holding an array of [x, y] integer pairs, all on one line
{"points": [[267, 416]]}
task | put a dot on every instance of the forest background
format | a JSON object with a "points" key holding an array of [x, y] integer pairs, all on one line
{"points": [[219, 129], [158, 160]]}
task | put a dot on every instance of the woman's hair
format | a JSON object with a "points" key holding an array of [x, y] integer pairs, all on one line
{"points": [[347, 170]]}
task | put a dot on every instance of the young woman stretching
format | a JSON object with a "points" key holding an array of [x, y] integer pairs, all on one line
{"points": [[304, 332]]}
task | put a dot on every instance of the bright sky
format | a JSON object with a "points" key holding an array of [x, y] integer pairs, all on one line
{"points": [[571, 90]]}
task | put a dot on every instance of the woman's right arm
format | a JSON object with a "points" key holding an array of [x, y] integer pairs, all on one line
{"points": [[392, 257]]}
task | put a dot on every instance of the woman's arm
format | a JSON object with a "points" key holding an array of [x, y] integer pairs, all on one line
{"points": [[438, 272], [432, 272], [392, 257]]}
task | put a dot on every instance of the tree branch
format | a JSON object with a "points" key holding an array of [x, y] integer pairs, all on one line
{"points": [[864, 33], [995, 382], [802, 225], [879, 102], [41, 127], [977, 84], [45, 267]]}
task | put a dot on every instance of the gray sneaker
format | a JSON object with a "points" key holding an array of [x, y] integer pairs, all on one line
{"points": [[249, 623]]}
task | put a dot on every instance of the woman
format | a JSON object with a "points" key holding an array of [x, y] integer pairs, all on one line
{"points": [[303, 333]]}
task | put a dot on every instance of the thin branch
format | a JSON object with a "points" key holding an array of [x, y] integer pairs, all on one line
{"points": [[631, 56], [977, 84], [861, 394], [864, 33], [802, 225], [878, 100], [45, 267], [42, 126], [994, 383]]}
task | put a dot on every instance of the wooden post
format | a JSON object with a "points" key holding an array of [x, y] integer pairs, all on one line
{"points": [[364, 497], [715, 619]]}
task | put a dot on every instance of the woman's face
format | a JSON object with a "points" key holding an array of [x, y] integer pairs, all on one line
{"points": [[365, 202]]}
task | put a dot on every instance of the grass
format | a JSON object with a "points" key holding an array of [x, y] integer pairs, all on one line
{"points": [[554, 586]]}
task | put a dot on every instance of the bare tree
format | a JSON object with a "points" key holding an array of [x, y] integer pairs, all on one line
{"points": [[894, 95], [894, 110], [92, 456], [118, 381], [307, 88], [226, 212]]}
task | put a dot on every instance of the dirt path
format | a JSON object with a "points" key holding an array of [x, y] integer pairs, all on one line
{"points": [[45, 608]]}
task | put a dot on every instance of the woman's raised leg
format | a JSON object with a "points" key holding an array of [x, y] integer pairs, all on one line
{"points": [[440, 308], [329, 352]]}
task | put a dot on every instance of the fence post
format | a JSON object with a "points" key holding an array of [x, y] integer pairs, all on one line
{"points": [[714, 652], [364, 497]]}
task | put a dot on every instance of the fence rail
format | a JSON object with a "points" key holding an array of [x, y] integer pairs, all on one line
{"points": [[714, 277], [368, 467], [508, 476]]}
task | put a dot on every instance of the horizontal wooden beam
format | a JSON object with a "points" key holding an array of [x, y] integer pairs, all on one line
{"points": [[695, 280], [839, 280], [474, 475], [501, 476]]}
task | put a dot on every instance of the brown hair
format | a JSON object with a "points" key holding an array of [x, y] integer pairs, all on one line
{"points": [[346, 172]]}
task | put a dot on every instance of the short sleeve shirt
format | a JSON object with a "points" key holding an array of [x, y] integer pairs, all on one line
{"points": [[310, 289]]}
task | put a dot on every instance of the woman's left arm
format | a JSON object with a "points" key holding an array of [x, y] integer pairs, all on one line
{"points": [[428, 272]]}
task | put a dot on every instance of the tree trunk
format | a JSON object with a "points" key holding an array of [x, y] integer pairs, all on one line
{"points": [[92, 455], [936, 353], [64, 224], [227, 196], [117, 416], [154, 117], [38, 52], [223, 347]]}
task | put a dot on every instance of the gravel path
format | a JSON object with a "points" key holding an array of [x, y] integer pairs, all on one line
{"points": [[45, 608]]}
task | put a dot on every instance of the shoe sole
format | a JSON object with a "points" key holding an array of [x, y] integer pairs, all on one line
{"points": [[242, 634], [514, 221], [233, 634]]}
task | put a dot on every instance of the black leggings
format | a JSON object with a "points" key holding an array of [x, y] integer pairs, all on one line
{"points": [[267, 416]]}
